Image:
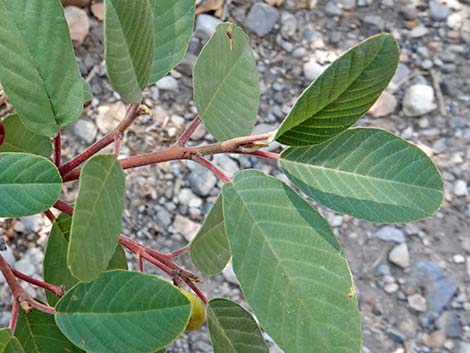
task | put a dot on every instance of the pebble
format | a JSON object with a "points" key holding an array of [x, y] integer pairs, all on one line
{"points": [[9, 258], [391, 234], [455, 21], [458, 259], [202, 181], [438, 286], [333, 9], [205, 26], [418, 32], [435, 339], [384, 106], [227, 164], [184, 226], [464, 347], [168, 83], [417, 302], [85, 130], [400, 256], [347, 4], [439, 11], [261, 19], [289, 25], [391, 287], [163, 217], [108, 116], [418, 100], [78, 23], [460, 188], [229, 275], [312, 69], [30, 262]]}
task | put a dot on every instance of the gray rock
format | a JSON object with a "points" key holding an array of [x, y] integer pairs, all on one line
{"points": [[85, 130], [400, 256], [418, 100], [289, 25], [168, 83], [449, 322], [109, 116], [202, 181], [401, 75], [163, 217], [438, 10], [312, 70], [460, 188], [227, 164], [389, 233], [30, 262], [374, 20], [464, 347], [455, 21], [417, 302], [347, 4], [32, 223], [261, 18], [333, 9], [438, 286], [205, 26], [185, 227], [385, 105], [419, 31]]}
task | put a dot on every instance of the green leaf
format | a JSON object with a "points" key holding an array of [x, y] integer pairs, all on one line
{"points": [[20, 139], [123, 309], [291, 268], [210, 251], [233, 329], [38, 333], [29, 184], [38, 69], [129, 46], [226, 87], [8, 343], [173, 27], [369, 174], [96, 222], [342, 94], [55, 257]]}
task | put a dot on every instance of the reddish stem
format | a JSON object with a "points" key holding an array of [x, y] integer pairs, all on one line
{"points": [[50, 215], [57, 150], [2, 133], [197, 291], [179, 252], [265, 154], [47, 286], [62, 206], [14, 315], [186, 135], [132, 113], [220, 174], [3, 100], [19, 293], [140, 262]]}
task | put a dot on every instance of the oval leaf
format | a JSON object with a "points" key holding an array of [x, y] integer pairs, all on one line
{"points": [[29, 184], [233, 329], [38, 69], [369, 174], [38, 333], [342, 94], [96, 223], [20, 139], [56, 270], [210, 251], [8, 343], [173, 27], [129, 46], [226, 87], [291, 268], [123, 309]]}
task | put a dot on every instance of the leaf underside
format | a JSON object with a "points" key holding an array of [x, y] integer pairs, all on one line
{"points": [[38, 69], [123, 309], [210, 251], [96, 223], [38, 333], [342, 94], [56, 270], [173, 27], [233, 329], [367, 173], [291, 268], [226, 87], [129, 46], [20, 139], [29, 184]]}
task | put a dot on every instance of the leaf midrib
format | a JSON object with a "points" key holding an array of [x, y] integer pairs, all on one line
{"points": [[339, 171]]}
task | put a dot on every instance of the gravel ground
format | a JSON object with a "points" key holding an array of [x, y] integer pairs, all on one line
{"points": [[413, 280]]}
